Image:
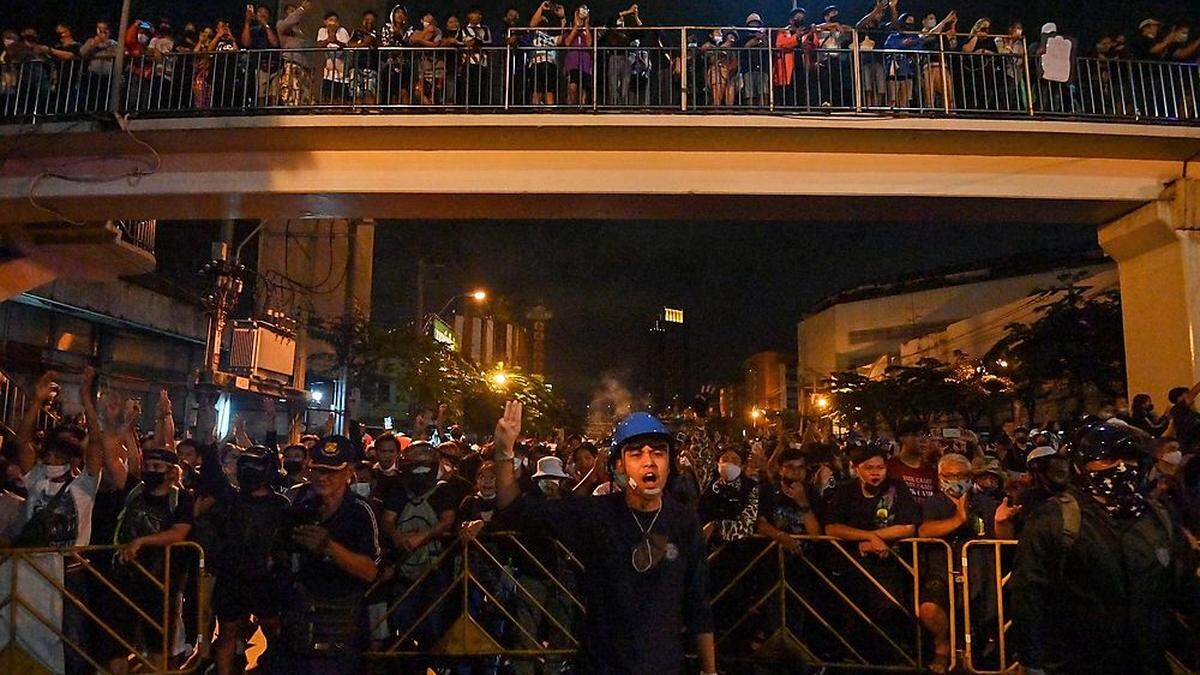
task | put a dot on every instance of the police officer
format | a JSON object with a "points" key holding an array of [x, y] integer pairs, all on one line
{"points": [[1099, 567], [333, 558]]}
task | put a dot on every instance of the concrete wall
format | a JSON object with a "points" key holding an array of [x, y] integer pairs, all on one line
{"points": [[978, 333], [852, 334]]}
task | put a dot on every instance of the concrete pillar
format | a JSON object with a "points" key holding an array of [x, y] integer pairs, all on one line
{"points": [[1157, 249]]}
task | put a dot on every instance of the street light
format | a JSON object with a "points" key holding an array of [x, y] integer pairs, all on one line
{"points": [[821, 401], [478, 295], [499, 378], [755, 414]]}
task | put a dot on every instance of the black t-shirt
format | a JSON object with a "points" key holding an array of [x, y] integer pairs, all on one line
{"points": [[782, 511], [981, 516], [749, 55], [181, 514], [894, 505], [444, 497], [249, 531], [635, 621], [105, 512], [353, 526], [475, 507], [1140, 45], [725, 500]]}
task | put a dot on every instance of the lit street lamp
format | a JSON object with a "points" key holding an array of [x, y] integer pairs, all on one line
{"points": [[479, 295]]}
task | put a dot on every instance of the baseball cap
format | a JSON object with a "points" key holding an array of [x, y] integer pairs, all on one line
{"points": [[160, 454], [753, 16], [1149, 22], [1039, 452], [1050, 27], [332, 452]]}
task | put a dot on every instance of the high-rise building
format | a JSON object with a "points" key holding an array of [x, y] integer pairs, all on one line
{"points": [[770, 381], [667, 360]]}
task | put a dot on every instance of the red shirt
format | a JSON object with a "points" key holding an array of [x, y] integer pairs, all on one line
{"points": [[922, 481]]}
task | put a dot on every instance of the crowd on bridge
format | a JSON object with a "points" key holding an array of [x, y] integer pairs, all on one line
{"points": [[891, 58], [339, 544]]}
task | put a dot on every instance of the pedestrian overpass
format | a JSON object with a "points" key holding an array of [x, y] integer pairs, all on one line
{"points": [[1137, 183]]}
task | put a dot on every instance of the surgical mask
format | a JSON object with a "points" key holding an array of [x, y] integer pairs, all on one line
{"points": [[55, 471], [1117, 489], [153, 479], [362, 489], [730, 472], [929, 23], [142, 38], [955, 487]]}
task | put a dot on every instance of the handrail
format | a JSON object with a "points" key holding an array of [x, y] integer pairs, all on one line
{"points": [[670, 75]]}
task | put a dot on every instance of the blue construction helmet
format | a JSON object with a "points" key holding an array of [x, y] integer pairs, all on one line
{"points": [[639, 425]]}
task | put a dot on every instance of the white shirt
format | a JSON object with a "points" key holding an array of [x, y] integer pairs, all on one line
{"points": [[335, 64], [75, 506]]}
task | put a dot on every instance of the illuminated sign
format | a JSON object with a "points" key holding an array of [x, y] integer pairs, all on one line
{"points": [[443, 333], [672, 315]]}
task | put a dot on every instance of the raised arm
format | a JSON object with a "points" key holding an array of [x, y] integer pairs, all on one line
{"points": [[164, 421], [508, 428], [116, 466], [26, 455]]}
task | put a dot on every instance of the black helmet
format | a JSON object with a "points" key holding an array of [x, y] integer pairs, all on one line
{"points": [[1112, 439]]}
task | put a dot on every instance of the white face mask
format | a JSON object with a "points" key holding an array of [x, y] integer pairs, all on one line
{"points": [[143, 38], [730, 472], [55, 471], [361, 489]]}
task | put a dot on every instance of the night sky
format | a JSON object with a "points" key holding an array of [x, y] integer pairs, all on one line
{"points": [[743, 287]]}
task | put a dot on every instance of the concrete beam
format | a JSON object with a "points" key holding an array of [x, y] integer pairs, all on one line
{"points": [[385, 166]]}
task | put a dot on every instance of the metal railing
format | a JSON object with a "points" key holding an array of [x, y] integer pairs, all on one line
{"points": [[13, 401], [136, 614], [137, 233], [670, 69]]}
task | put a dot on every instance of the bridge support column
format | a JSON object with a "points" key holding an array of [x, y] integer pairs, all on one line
{"points": [[1157, 249]]}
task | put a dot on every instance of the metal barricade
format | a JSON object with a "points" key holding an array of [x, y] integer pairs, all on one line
{"points": [[825, 605], [986, 649], [93, 595], [485, 597]]}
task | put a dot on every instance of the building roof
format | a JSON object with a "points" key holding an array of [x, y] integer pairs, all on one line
{"points": [[968, 273]]}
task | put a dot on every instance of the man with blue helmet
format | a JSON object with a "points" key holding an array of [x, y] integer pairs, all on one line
{"points": [[646, 578]]}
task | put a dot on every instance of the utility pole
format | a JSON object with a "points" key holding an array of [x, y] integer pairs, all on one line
{"points": [[118, 67], [420, 322], [223, 298]]}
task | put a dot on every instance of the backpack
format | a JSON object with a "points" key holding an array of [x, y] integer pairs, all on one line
{"points": [[141, 523], [1068, 506]]}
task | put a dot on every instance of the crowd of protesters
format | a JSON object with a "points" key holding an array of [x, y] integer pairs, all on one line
{"points": [[905, 60], [333, 544]]}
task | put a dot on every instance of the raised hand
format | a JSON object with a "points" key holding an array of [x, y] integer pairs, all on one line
{"points": [[508, 427], [44, 387], [1005, 511]]}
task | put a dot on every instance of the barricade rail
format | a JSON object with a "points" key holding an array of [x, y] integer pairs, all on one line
{"points": [[52, 600], [649, 69]]}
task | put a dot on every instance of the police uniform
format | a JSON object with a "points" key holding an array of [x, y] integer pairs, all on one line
{"points": [[324, 616]]}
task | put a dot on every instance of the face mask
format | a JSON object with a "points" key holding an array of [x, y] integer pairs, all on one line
{"points": [[293, 465], [1118, 490], [8, 42], [361, 489], [955, 488], [250, 478], [549, 488], [153, 479], [730, 472], [54, 471], [929, 23], [419, 479], [143, 38], [1182, 37], [621, 480]]}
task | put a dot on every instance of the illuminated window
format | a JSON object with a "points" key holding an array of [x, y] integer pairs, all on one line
{"points": [[672, 315]]}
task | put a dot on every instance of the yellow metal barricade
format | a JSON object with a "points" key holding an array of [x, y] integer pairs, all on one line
{"points": [[998, 554], [477, 582], [34, 588], [826, 608]]}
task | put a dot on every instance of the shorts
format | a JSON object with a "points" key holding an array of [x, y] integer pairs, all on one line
{"points": [[362, 82], [236, 599], [754, 83], [873, 76], [578, 77], [544, 77]]}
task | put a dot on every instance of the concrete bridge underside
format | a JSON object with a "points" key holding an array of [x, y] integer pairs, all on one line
{"points": [[603, 166], [1138, 184]]}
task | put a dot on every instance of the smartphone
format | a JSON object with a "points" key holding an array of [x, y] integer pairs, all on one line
{"points": [[387, 423]]}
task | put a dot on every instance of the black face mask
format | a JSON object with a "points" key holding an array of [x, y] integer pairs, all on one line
{"points": [[293, 465], [418, 483], [1119, 488], [153, 479], [1052, 474], [250, 478]]}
